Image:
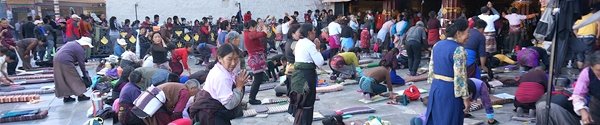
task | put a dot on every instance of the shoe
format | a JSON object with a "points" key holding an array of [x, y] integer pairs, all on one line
{"points": [[68, 99], [82, 98], [254, 102], [531, 113]]}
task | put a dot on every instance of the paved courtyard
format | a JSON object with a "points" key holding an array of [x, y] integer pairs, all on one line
{"points": [[74, 113]]}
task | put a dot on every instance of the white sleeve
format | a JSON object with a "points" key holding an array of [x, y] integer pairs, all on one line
{"points": [[495, 17], [315, 55]]}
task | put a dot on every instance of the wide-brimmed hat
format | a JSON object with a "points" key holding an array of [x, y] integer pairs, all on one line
{"points": [[121, 42], [85, 41]]}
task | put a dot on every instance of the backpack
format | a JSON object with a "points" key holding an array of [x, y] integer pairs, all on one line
{"points": [[412, 93], [546, 24]]}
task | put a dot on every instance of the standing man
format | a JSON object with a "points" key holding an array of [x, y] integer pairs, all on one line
{"points": [[587, 37], [490, 30], [156, 20], [27, 28], [514, 32], [415, 40], [475, 48]]}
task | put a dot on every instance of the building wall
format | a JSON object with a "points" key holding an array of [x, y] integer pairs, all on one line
{"points": [[196, 9]]}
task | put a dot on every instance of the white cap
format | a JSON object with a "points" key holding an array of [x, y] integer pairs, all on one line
{"points": [[36, 22], [121, 42], [85, 41], [74, 16]]}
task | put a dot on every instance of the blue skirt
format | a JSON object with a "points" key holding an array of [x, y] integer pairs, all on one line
{"points": [[442, 107], [347, 43]]}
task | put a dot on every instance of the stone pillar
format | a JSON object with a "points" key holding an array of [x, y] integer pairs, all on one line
{"points": [[451, 9], [56, 9]]}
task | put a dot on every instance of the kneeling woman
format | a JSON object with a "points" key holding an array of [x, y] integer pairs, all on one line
{"points": [[303, 87], [344, 64], [222, 94]]}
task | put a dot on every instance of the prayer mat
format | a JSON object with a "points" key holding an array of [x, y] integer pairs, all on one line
{"points": [[355, 110], [469, 121], [18, 98], [355, 122], [418, 78], [495, 83], [11, 88], [250, 113], [349, 82], [373, 99], [365, 61], [331, 88], [327, 113], [273, 100], [41, 76], [261, 109], [40, 115], [318, 116], [476, 105], [35, 72], [34, 81], [277, 109], [523, 119], [369, 65], [500, 101], [262, 87], [508, 81], [27, 92]]}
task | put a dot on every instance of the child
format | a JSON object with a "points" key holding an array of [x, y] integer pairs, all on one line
{"points": [[365, 38], [4, 60]]}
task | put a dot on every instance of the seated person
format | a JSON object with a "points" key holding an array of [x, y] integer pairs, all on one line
{"points": [[272, 65], [371, 85], [532, 86], [4, 60], [480, 90], [531, 57], [220, 99], [128, 94], [561, 112], [344, 64]]}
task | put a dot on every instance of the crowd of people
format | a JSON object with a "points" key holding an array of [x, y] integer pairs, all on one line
{"points": [[243, 48]]}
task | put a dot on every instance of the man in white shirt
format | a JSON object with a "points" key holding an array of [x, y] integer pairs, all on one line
{"points": [[490, 30], [335, 29], [514, 32], [285, 27]]}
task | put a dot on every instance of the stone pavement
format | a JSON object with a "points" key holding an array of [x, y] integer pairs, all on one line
{"points": [[74, 113]]}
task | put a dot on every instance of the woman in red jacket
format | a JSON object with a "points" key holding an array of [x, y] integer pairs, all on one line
{"points": [[254, 41]]}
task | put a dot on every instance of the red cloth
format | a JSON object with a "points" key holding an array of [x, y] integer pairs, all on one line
{"points": [[253, 41], [85, 28], [247, 17], [412, 93], [471, 23], [307, 18], [380, 21], [71, 30], [181, 54], [433, 35], [365, 37], [529, 92]]}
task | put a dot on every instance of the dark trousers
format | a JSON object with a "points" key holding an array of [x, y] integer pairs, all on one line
{"points": [[271, 43], [259, 78], [413, 49], [271, 69], [306, 106], [514, 38], [333, 52], [525, 106], [11, 68]]}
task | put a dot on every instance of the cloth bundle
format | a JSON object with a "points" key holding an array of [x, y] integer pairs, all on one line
{"points": [[331, 88], [41, 76], [19, 98], [39, 115]]}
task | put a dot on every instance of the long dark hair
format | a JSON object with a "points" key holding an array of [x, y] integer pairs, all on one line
{"points": [[458, 25], [305, 29], [593, 58], [112, 23], [292, 30]]}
